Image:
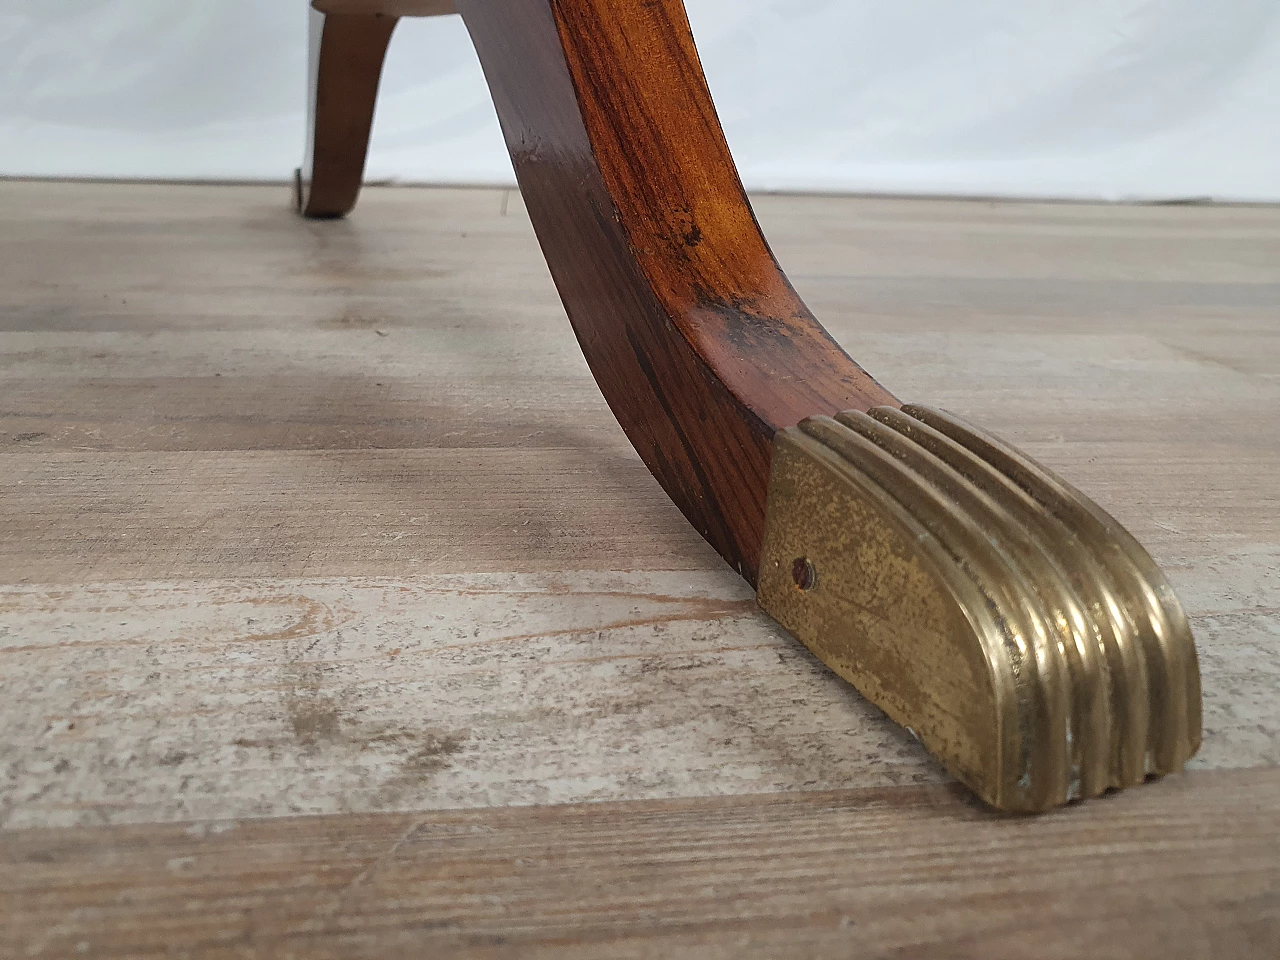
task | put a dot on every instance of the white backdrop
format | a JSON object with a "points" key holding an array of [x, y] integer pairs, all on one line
{"points": [[1114, 99]]}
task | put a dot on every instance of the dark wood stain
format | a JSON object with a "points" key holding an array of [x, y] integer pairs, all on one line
{"points": [[699, 343], [346, 88]]}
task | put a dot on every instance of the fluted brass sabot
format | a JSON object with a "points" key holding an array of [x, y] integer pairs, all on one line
{"points": [[980, 601]]}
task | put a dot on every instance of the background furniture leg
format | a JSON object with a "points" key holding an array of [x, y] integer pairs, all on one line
{"points": [[346, 55]]}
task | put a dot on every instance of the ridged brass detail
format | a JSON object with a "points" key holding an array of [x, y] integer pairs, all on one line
{"points": [[980, 601]]}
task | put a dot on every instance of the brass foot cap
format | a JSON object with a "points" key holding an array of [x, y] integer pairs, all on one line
{"points": [[980, 601]]}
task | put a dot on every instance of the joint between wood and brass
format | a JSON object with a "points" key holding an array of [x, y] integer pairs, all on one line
{"points": [[1014, 627], [1017, 629]]}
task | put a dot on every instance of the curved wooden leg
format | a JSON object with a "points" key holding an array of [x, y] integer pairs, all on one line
{"points": [[1017, 629], [994, 610], [698, 341], [346, 54]]}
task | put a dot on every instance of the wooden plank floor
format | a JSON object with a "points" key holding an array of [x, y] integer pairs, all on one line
{"points": [[337, 617]]}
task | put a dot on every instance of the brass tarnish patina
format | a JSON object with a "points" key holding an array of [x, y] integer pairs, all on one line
{"points": [[986, 605]]}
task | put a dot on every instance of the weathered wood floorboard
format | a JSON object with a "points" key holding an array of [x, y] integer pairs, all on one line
{"points": [[1187, 868], [330, 519], [148, 701]]}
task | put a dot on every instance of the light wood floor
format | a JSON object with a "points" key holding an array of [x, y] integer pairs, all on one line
{"points": [[338, 618]]}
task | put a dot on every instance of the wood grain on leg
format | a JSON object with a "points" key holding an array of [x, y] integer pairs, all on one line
{"points": [[697, 340]]}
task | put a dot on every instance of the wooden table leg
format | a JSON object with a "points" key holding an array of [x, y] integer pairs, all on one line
{"points": [[700, 344], [346, 54], [1017, 629]]}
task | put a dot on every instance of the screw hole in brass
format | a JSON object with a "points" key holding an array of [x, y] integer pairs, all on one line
{"points": [[803, 573]]}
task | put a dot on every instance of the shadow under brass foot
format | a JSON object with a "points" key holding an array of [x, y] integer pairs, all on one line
{"points": [[995, 611]]}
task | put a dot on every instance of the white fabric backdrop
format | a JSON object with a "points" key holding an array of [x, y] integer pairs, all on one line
{"points": [[1109, 99]]}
